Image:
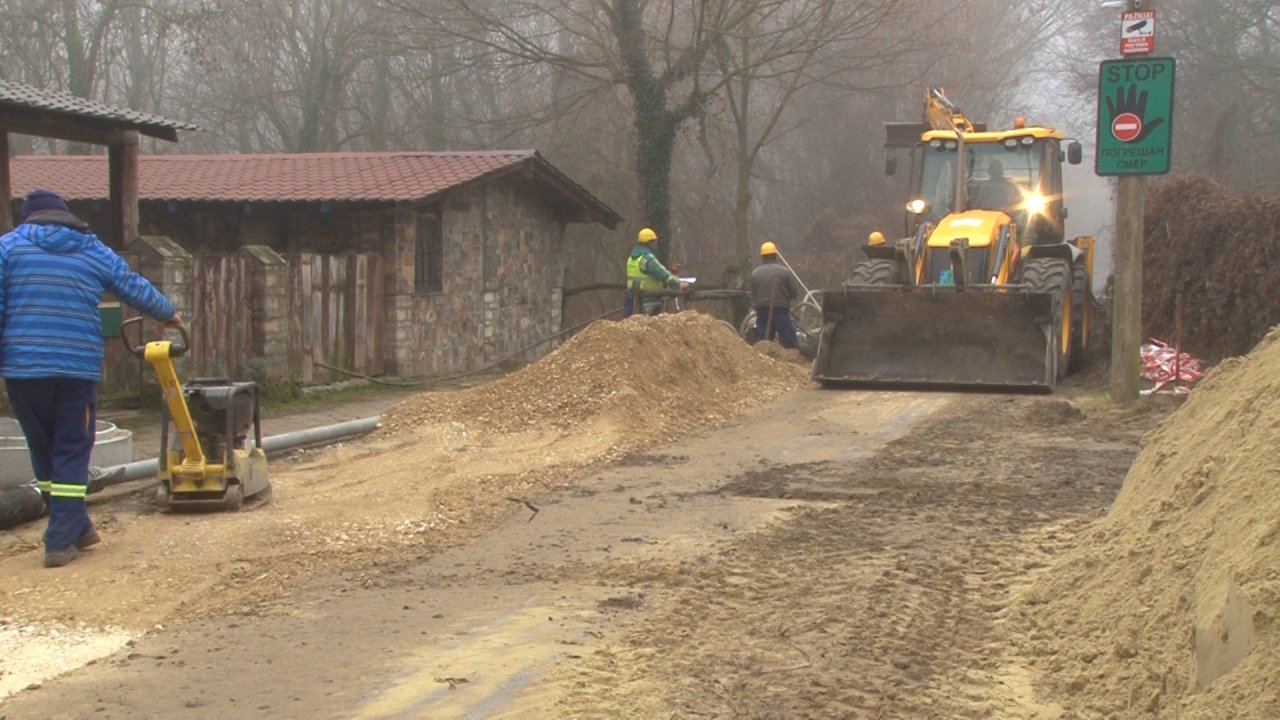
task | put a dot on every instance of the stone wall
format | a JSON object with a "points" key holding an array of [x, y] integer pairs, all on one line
{"points": [[503, 268], [170, 268], [268, 314]]}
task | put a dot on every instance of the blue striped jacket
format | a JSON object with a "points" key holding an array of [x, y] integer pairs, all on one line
{"points": [[52, 277]]}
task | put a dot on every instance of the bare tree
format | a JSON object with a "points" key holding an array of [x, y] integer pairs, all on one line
{"points": [[661, 53], [785, 48], [1227, 92]]}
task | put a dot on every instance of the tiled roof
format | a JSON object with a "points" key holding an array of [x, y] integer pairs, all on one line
{"points": [[13, 94], [304, 177]]}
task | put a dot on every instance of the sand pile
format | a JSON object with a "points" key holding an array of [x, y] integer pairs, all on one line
{"points": [[649, 377], [1167, 607]]}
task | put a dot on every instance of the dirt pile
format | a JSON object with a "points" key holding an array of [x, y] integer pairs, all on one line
{"points": [[648, 377], [1219, 252], [445, 467], [1168, 605]]}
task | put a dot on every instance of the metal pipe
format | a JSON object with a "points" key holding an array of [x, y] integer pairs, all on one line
{"points": [[325, 433], [24, 503], [285, 441]]}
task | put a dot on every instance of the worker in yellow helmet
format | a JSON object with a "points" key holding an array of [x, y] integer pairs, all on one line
{"points": [[646, 272], [773, 289]]}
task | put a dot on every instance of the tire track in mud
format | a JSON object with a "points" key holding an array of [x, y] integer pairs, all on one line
{"points": [[881, 593], [793, 565], [500, 612]]}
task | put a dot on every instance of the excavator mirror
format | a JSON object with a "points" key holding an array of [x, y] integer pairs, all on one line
{"points": [[890, 163], [1074, 152]]}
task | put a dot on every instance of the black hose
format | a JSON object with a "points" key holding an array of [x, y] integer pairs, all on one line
{"points": [[20, 505]]}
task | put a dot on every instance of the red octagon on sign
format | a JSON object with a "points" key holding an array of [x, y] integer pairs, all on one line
{"points": [[1126, 127]]}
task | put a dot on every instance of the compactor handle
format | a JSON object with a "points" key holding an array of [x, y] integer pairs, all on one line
{"points": [[175, 349]]}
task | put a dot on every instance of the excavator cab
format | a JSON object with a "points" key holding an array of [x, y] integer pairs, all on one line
{"points": [[981, 290], [1016, 173]]}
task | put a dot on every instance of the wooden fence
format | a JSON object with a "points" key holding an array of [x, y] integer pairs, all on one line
{"points": [[221, 317], [336, 315]]}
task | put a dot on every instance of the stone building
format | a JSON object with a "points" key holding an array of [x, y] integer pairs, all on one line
{"points": [[394, 263]]}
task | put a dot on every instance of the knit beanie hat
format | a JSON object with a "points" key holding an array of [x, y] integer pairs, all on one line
{"points": [[38, 200]]}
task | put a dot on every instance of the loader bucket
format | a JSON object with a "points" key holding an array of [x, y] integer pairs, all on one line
{"points": [[940, 336]]}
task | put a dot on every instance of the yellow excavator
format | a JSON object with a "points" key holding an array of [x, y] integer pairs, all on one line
{"points": [[984, 290]]}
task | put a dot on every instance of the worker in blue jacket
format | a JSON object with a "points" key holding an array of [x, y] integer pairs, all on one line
{"points": [[646, 272], [53, 273]]}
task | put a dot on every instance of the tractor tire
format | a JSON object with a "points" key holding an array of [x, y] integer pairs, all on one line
{"points": [[1052, 276], [1080, 299], [873, 272]]}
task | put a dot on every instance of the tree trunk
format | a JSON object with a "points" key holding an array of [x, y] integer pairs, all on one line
{"points": [[655, 123]]}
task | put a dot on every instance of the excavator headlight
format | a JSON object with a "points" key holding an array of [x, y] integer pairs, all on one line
{"points": [[1011, 143], [951, 145], [1035, 203], [1028, 140], [917, 206], [935, 144]]}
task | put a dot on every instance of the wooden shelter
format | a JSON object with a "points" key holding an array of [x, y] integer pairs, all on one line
{"points": [[47, 113]]}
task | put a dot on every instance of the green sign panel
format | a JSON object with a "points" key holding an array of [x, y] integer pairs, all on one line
{"points": [[1135, 116]]}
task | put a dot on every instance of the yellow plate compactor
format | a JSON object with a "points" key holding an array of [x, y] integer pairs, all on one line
{"points": [[214, 466]]}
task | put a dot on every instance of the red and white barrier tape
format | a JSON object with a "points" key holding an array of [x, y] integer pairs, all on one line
{"points": [[1163, 365]]}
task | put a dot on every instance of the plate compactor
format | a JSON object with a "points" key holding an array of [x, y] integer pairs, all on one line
{"points": [[214, 466]]}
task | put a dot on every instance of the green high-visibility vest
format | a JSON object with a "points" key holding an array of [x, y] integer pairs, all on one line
{"points": [[634, 273]]}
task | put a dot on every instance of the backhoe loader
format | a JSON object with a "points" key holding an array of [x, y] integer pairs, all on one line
{"points": [[983, 290]]}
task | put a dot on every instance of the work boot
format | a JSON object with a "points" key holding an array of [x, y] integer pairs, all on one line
{"points": [[88, 539], [58, 558]]}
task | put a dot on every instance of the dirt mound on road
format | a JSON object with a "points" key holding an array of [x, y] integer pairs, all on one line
{"points": [[445, 467], [1217, 250], [1168, 605], [650, 377]]}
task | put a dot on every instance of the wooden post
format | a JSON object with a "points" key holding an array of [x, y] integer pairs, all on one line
{"points": [[1126, 298], [123, 172], [6, 189]]}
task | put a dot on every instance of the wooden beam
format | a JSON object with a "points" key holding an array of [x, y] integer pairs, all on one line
{"points": [[34, 122], [6, 188], [123, 174]]}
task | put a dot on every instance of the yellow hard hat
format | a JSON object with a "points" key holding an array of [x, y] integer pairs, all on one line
{"points": [[875, 238], [647, 235], [768, 249]]}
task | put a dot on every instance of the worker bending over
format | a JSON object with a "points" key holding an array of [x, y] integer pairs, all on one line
{"points": [[773, 289], [646, 272]]}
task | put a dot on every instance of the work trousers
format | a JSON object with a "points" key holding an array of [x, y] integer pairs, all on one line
{"points": [[780, 326], [58, 418], [647, 306]]}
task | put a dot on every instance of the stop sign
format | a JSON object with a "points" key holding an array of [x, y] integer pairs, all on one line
{"points": [[1126, 126]]}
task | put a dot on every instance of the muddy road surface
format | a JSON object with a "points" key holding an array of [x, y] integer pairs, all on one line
{"points": [[831, 555]]}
